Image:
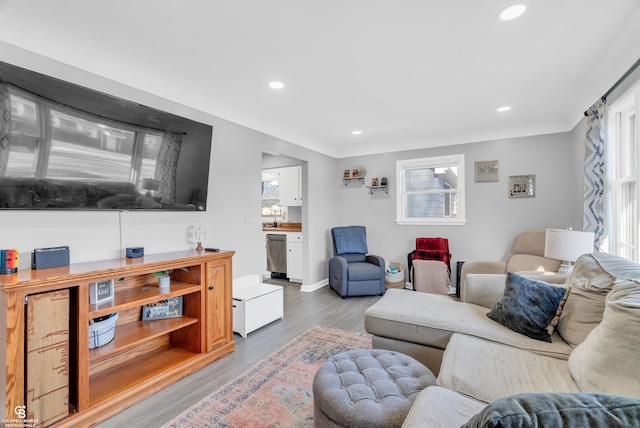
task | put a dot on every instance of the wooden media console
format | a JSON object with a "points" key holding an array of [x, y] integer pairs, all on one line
{"points": [[55, 379]]}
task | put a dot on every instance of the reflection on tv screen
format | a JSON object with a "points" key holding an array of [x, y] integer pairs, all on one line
{"points": [[63, 146]]}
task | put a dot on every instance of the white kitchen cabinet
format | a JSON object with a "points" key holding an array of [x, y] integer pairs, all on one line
{"points": [[289, 186], [294, 256]]}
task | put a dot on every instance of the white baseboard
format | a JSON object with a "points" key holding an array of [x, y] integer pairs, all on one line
{"points": [[314, 287]]}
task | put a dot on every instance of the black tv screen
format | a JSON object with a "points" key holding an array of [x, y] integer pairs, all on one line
{"points": [[64, 146]]}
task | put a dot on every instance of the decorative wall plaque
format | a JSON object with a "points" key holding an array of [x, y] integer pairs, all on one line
{"points": [[522, 186], [486, 171]]}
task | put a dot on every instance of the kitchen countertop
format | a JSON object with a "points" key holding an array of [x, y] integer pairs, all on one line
{"points": [[282, 227]]}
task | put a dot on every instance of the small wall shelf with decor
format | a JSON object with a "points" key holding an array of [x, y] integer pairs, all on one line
{"points": [[372, 189], [346, 181], [354, 174], [376, 184]]}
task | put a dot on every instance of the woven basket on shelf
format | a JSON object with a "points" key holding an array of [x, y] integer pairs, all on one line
{"points": [[102, 331]]}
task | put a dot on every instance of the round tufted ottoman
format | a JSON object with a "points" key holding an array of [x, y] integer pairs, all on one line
{"points": [[367, 388]]}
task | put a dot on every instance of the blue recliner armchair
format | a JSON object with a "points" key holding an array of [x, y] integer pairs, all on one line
{"points": [[351, 271]]}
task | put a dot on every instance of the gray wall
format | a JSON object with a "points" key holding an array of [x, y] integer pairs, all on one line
{"points": [[232, 218], [493, 219], [319, 210], [234, 191], [578, 136]]}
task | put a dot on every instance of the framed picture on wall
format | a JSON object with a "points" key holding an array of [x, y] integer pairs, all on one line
{"points": [[486, 171], [522, 186]]}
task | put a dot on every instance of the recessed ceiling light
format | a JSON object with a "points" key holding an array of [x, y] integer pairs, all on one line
{"points": [[356, 132], [512, 12], [276, 85], [503, 109]]}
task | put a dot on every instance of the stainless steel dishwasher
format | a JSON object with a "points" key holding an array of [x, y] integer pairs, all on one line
{"points": [[277, 253]]}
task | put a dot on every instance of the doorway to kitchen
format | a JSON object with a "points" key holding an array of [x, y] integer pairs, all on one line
{"points": [[283, 210]]}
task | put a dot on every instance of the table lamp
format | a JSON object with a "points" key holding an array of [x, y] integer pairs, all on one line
{"points": [[150, 185], [567, 245]]}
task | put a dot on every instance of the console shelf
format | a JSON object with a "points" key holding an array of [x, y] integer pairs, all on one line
{"points": [[135, 297], [108, 384], [44, 320], [133, 334]]}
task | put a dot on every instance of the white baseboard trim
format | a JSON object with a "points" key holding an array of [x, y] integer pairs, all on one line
{"points": [[314, 287]]}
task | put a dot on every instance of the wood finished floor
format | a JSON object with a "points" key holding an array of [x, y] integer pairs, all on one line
{"points": [[302, 310]]}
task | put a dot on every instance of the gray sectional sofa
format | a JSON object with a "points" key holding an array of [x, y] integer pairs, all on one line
{"points": [[594, 347]]}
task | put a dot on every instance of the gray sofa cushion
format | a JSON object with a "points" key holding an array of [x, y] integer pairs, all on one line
{"points": [[487, 370], [431, 319], [608, 360], [559, 410], [528, 306], [354, 258], [437, 407], [524, 263], [363, 271], [588, 286]]}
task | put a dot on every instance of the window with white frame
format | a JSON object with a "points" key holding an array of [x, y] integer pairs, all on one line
{"points": [[624, 175], [430, 190], [49, 140]]}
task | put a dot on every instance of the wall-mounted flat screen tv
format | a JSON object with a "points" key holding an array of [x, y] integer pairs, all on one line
{"points": [[63, 146]]}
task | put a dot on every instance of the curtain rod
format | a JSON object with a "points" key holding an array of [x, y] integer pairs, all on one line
{"points": [[620, 80]]}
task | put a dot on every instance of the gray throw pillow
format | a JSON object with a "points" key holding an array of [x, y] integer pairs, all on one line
{"points": [[568, 410], [528, 306]]}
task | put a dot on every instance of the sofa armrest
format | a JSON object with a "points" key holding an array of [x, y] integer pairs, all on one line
{"points": [[479, 267], [379, 261], [483, 289], [487, 289], [376, 260], [338, 274]]}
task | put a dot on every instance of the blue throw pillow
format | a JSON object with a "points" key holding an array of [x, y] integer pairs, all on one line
{"points": [[560, 409], [528, 306]]}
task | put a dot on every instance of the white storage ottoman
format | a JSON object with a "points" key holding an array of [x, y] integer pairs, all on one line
{"points": [[255, 304]]}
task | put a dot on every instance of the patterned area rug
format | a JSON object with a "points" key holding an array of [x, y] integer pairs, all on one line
{"points": [[276, 392]]}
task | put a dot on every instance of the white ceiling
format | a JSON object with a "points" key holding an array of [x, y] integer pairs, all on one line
{"points": [[408, 73]]}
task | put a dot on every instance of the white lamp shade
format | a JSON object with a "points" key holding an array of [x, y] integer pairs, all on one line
{"points": [[567, 244]]}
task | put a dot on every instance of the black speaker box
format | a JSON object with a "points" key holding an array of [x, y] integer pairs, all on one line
{"points": [[135, 252], [43, 258]]}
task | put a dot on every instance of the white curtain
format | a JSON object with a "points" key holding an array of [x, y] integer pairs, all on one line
{"points": [[594, 173], [5, 126], [167, 164]]}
